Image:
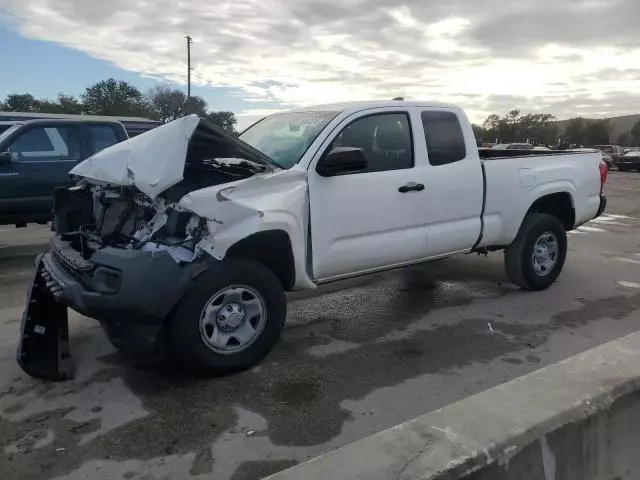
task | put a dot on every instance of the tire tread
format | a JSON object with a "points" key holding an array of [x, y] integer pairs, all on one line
{"points": [[516, 256]]}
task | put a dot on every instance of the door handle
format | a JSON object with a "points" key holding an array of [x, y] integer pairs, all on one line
{"points": [[411, 187]]}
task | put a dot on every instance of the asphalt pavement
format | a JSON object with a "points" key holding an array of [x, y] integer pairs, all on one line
{"points": [[357, 357]]}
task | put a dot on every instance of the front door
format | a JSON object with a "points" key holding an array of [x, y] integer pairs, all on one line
{"points": [[40, 159], [372, 219]]}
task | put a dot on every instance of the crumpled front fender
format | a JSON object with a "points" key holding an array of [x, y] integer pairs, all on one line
{"points": [[269, 201]]}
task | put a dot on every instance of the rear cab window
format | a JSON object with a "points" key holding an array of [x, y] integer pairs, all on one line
{"points": [[444, 137], [101, 137]]}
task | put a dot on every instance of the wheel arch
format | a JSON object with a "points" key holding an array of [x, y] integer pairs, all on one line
{"points": [[558, 204], [273, 249]]}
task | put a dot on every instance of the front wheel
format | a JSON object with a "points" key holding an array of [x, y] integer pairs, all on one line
{"points": [[230, 319], [536, 257]]}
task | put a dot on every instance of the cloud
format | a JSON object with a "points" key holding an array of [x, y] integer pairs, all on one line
{"points": [[561, 55]]}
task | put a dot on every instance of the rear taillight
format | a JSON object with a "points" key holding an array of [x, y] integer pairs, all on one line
{"points": [[604, 170]]}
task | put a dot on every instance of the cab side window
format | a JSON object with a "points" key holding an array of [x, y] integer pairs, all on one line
{"points": [[60, 143], [445, 141], [385, 139]]}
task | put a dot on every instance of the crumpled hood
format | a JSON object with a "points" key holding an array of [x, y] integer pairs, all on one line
{"points": [[155, 160]]}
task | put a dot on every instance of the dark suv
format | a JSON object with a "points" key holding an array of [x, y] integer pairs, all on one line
{"points": [[35, 158]]}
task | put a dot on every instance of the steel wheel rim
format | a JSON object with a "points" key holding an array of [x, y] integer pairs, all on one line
{"points": [[232, 319], [545, 254]]}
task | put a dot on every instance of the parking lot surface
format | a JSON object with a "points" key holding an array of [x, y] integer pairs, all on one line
{"points": [[356, 358]]}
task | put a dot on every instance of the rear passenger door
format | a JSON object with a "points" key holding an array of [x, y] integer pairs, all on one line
{"points": [[372, 219], [454, 182]]}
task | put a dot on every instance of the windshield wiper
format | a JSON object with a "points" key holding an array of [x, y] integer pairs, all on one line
{"points": [[239, 164]]}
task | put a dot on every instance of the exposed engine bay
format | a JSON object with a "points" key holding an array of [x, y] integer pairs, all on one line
{"points": [[129, 194], [90, 217]]}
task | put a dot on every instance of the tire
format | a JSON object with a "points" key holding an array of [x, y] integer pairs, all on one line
{"points": [[525, 271], [623, 168], [190, 341]]}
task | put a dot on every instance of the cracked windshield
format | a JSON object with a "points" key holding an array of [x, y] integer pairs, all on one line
{"points": [[341, 240]]}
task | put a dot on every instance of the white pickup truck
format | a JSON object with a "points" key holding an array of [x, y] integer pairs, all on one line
{"points": [[185, 238]]}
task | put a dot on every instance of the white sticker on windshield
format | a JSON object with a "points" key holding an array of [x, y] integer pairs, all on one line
{"points": [[308, 122]]}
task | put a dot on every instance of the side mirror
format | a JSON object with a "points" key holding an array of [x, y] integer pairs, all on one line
{"points": [[5, 157], [342, 161]]}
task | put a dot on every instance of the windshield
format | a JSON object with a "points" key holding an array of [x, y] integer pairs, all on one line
{"points": [[285, 137]]}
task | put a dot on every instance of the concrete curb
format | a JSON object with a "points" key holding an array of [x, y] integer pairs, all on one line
{"points": [[497, 428]]}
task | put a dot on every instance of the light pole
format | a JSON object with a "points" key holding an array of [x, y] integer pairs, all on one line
{"points": [[189, 42]]}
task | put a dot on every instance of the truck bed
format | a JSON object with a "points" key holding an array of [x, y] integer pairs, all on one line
{"points": [[512, 186], [490, 154]]}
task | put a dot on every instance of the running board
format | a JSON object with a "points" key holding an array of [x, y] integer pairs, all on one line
{"points": [[43, 350]]}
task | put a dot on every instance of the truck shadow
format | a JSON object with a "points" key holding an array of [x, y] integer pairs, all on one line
{"points": [[300, 389]]}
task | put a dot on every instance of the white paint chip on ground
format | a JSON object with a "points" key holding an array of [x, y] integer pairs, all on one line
{"points": [[628, 260], [608, 221], [611, 215], [584, 228], [626, 284]]}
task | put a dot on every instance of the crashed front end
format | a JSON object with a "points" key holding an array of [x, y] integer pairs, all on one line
{"points": [[122, 260], [126, 248]]}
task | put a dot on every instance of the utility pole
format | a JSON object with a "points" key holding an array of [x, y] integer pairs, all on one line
{"points": [[189, 42]]}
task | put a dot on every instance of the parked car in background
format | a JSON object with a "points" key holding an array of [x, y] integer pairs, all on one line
{"points": [[133, 125], [605, 157], [629, 161], [35, 158], [614, 151], [513, 146]]}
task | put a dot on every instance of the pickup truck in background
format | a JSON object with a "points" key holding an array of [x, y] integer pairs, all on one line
{"points": [[183, 240], [35, 158], [614, 152]]}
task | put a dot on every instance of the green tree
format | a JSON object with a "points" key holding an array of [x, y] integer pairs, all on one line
{"points": [[197, 106], [226, 120], [575, 131], [481, 134], [516, 127], [624, 139], [588, 132], [170, 103], [65, 104], [166, 103], [48, 106], [70, 104], [16, 102], [112, 97], [597, 132], [635, 135]]}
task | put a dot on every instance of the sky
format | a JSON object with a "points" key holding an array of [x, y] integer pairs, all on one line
{"points": [[254, 57]]}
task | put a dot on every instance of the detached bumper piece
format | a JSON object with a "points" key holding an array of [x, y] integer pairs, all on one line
{"points": [[43, 350]]}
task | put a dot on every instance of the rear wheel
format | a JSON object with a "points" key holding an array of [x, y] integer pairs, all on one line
{"points": [[536, 257], [230, 319]]}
